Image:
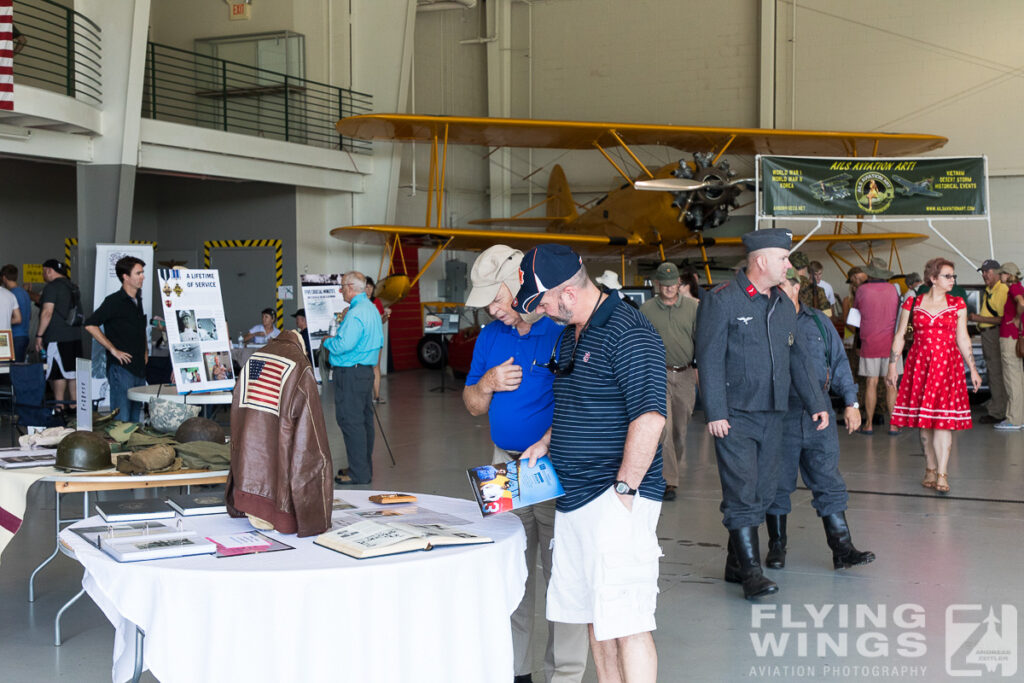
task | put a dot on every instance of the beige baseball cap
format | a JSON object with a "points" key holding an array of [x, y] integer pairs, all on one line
{"points": [[494, 267]]}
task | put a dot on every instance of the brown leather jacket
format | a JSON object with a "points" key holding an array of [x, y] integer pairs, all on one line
{"points": [[281, 464]]}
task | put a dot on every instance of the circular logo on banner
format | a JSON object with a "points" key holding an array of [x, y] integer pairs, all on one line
{"points": [[873, 192]]}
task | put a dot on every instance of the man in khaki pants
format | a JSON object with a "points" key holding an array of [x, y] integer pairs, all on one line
{"points": [[508, 380], [988, 317], [675, 318]]}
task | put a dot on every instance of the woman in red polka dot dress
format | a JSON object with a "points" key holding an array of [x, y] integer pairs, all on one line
{"points": [[933, 394]]}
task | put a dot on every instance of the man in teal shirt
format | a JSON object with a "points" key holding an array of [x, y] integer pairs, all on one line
{"points": [[354, 350]]}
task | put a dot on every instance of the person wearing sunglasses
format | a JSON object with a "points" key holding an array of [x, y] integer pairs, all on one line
{"points": [[749, 355], [509, 382], [609, 413]]}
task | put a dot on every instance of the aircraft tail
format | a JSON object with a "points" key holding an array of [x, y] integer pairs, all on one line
{"points": [[560, 203]]}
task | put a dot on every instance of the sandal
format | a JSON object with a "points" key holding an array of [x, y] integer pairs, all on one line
{"points": [[942, 484], [929, 478]]}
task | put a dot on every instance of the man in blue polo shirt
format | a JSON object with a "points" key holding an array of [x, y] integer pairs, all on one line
{"points": [[353, 350], [509, 382], [609, 414]]}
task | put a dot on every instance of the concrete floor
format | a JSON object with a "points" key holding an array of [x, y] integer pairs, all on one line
{"points": [[887, 620]]}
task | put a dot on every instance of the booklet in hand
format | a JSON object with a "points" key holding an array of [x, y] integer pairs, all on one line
{"points": [[514, 484]]}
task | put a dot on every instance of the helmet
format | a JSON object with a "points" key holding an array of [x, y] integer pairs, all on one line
{"points": [[199, 429], [83, 452]]}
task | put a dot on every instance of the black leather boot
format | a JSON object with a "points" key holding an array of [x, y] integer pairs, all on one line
{"points": [[745, 545], [776, 557], [837, 531], [732, 565]]}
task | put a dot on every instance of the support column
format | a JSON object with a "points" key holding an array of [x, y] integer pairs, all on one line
{"points": [[106, 186], [499, 99]]}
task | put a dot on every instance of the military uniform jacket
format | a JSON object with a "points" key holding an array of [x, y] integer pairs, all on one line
{"points": [[829, 363], [748, 352]]}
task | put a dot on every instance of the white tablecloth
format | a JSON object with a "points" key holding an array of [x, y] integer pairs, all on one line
{"points": [[312, 614]]}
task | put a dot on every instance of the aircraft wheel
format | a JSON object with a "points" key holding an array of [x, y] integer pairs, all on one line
{"points": [[430, 351]]}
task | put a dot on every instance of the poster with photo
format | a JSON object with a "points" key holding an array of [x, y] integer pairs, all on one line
{"points": [[324, 304], [197, 332]]}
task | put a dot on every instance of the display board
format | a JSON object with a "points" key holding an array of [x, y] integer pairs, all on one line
{"points": [[817, 186], [196, 330], [324, 304]]}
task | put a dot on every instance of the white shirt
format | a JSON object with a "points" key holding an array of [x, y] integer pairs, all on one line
{"points": [[830, 293], [261, 335], [8, 304]]}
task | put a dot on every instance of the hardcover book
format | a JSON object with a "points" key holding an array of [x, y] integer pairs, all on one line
{"points": [[172, 545], [513, 485], [132, 510], [15, 458], [373, 539], [198, 504]]}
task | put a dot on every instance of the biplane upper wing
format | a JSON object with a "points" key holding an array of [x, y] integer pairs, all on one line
{"points": [[540, 133]]}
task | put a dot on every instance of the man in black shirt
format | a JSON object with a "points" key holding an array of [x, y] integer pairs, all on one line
{"points": [[123, 336]]}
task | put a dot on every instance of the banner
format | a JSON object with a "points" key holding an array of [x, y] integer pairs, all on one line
{"points": [[196, 330], [324, 304], [812, 186]]}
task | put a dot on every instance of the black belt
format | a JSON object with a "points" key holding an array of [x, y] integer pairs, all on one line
{"points": [[677, 368]]}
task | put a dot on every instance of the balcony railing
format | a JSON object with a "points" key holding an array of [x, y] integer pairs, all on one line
{"points": [[200, 90], [63, 52]]}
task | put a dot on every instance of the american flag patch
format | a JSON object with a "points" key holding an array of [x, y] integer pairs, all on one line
{"points": [[262, 380]]}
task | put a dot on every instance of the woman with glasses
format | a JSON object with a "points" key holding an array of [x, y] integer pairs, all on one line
{"points": [[933, 394]]}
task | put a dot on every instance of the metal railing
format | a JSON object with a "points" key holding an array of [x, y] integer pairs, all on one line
{"points": [[200, 90], [63, 50]]}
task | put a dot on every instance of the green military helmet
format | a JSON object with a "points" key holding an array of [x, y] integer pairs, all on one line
{"points": [[83, 452], [199, 429], [799, 259]]}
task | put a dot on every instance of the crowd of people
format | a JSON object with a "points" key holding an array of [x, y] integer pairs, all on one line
{"points": [[609, 397]]}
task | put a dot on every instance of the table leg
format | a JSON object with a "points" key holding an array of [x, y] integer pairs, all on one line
{"points": [[56, 548], [56, 620], [139, 638]]}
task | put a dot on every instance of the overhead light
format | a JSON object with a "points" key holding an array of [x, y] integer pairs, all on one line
{"points": [[16, 132]]}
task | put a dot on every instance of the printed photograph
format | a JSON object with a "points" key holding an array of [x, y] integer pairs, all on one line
{"points": [[218, 365], [191, 375], [185, 353], [187, 325], [322, 279], [207, 328]]}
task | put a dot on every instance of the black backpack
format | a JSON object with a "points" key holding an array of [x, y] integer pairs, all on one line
{"points": [[75, 317]]}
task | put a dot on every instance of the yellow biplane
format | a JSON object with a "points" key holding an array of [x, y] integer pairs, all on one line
{"points": [[695, 195]]}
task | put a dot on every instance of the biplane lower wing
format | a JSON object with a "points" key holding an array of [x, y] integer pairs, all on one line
{"points": [[478, 240]]}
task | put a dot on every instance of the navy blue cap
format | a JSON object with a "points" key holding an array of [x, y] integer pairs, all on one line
{"points": [[770, 238], [544, 267]]}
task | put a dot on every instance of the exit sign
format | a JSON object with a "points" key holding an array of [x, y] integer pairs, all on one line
{"points": [[239, 10]]}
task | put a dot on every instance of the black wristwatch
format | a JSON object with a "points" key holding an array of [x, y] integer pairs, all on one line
{"points": [[622, 488]]}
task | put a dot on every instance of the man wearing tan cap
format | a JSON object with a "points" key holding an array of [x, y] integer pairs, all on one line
{"points": [[508, 380], [675, 318]]}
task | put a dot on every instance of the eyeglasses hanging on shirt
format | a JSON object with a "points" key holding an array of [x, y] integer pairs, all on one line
{"points": [[552, 363]]}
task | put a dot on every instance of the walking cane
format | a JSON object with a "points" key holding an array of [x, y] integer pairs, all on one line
{"points": [[385, 436]]}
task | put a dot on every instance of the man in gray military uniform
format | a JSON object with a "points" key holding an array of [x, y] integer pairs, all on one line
{"points": [[748, 354], [816, 453]]}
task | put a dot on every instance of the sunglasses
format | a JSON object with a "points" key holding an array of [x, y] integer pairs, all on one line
{"points": [[552, 364]]}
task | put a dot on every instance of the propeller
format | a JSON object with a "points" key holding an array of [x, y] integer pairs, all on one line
{"points": [[686, 184]]}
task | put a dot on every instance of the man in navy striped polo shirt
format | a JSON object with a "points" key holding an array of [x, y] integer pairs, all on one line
{"points": [[609, 413]]}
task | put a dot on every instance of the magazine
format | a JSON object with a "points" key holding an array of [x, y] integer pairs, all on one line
{"points": [[513, 485], [373, 539]]}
